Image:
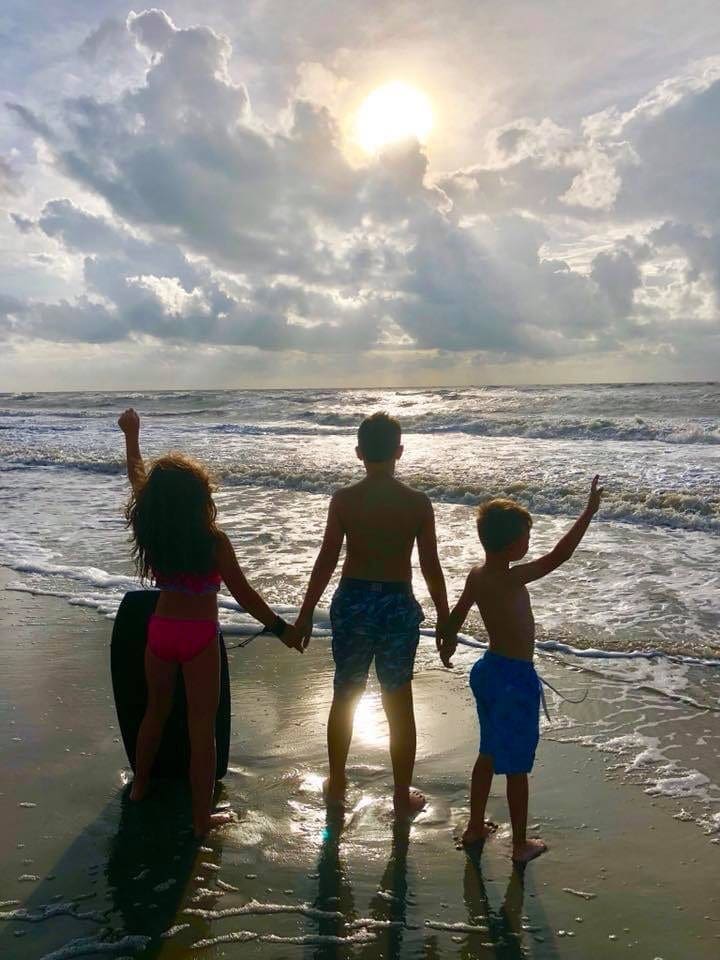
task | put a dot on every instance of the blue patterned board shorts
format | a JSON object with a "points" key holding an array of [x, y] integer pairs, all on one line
{"points": [[507, 694], [374, 619]]}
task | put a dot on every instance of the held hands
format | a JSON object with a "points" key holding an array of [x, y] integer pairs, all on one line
{"points": [[129, 423], [304, 626], [446, 643], [292, 638], [595, 497]]}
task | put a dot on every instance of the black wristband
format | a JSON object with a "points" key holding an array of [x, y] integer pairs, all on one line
{"points": [[278, 626]]}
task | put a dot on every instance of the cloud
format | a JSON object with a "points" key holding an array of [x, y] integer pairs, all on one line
{"points": [[197, 221], [103, 40]]}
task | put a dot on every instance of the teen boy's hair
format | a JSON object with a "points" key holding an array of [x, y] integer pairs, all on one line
{"points": [[379, 437], [500, 522]]}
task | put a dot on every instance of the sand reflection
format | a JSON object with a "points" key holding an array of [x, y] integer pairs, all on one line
{"points": [[370, 723]]}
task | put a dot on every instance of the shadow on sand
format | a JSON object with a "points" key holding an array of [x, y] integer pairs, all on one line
{"points": [[122, 879], [500, 932]]}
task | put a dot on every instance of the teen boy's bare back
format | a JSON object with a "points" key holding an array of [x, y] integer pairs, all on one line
{"points": [[381, 518]]}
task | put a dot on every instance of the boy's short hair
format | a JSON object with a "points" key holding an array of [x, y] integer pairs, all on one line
{"points": [[500, 522], [379, 437]]}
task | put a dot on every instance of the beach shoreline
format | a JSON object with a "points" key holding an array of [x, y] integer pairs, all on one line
{"points": [[617, 860]]}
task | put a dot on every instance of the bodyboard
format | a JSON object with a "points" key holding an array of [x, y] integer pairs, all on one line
{"points": [[127, 666]]}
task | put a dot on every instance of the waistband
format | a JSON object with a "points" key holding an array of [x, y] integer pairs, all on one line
{"points": [[514, 663], [183, 620], [375, 586]]}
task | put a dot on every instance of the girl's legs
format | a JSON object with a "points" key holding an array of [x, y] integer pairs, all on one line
{"points": [[160, 676], [202, 689]]}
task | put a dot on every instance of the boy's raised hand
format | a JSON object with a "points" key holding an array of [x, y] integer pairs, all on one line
{"points": [[129, 422], [595, 496]]}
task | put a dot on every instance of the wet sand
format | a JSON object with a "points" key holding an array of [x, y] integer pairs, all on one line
{"points": [[94, 875]]}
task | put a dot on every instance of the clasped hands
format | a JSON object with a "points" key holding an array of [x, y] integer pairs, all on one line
{"points": [[446, 641]]}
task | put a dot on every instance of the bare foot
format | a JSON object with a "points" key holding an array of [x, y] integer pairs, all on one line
{"points": [[408, 801], [525, 852], [334, 793], [214, 821], [138, 790], [473, 835]]}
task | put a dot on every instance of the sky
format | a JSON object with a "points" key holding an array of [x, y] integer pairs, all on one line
{"points": [[184, 202]]}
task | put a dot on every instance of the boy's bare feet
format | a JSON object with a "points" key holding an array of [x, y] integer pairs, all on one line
{"points": [[525, 852], [214, 821], [408, 800], [334, 793], [473, 835]]}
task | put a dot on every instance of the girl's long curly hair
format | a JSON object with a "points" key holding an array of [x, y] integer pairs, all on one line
{"points": [[172, 519]]}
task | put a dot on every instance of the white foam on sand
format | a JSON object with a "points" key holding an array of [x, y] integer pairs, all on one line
{"points": [[255, 907], [309, 939], [47, 911], [456, 927], [90, 946]]}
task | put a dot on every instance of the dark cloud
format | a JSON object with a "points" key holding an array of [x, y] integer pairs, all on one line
{"points": [[8, 178], [103, 40]]}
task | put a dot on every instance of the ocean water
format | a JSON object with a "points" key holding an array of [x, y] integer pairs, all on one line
{"points": [[633, 619]]}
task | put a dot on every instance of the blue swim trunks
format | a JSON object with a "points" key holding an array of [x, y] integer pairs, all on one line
{"points": [[507, 694], [374, 619]]}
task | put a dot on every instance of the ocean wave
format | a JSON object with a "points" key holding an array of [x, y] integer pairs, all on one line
{"points": [[61, 413], [61, 461], [632, 429], [115, 585], [596, 653], [268, 429], [689, 510], [697, 509]]}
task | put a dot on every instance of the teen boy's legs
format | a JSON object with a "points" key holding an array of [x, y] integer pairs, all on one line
{"points": [[381, 621], [339, 736], [398, 705]]}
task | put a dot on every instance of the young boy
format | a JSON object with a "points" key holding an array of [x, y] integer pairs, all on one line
{"points": [[504, 681], [373, 612]]}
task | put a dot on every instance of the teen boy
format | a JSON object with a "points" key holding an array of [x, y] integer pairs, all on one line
{"points": [[374, 614]]}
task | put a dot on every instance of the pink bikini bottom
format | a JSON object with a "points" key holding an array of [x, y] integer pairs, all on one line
{"points": [[180, 640]]}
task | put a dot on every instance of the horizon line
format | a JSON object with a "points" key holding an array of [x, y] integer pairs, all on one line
{"points": [[346, 389]]}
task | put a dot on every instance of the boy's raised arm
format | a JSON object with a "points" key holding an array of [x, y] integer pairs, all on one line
{"points": [[129, 423], [323, 569], [565, 547]]}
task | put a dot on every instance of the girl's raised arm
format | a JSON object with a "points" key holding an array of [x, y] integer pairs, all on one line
{"points": [[129, 423]]}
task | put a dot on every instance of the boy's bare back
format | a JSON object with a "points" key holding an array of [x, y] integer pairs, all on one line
{"points": [[500, 590], [381, 518], [504, 604]]}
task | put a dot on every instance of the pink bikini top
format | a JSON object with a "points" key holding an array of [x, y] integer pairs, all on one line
{"points": [[188, 582]]}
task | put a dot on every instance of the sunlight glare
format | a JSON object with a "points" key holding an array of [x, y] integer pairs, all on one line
{"points": [[370, 723], [393, 113]]}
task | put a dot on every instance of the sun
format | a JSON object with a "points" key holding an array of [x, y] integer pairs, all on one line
{"points": [[392, 113]]}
